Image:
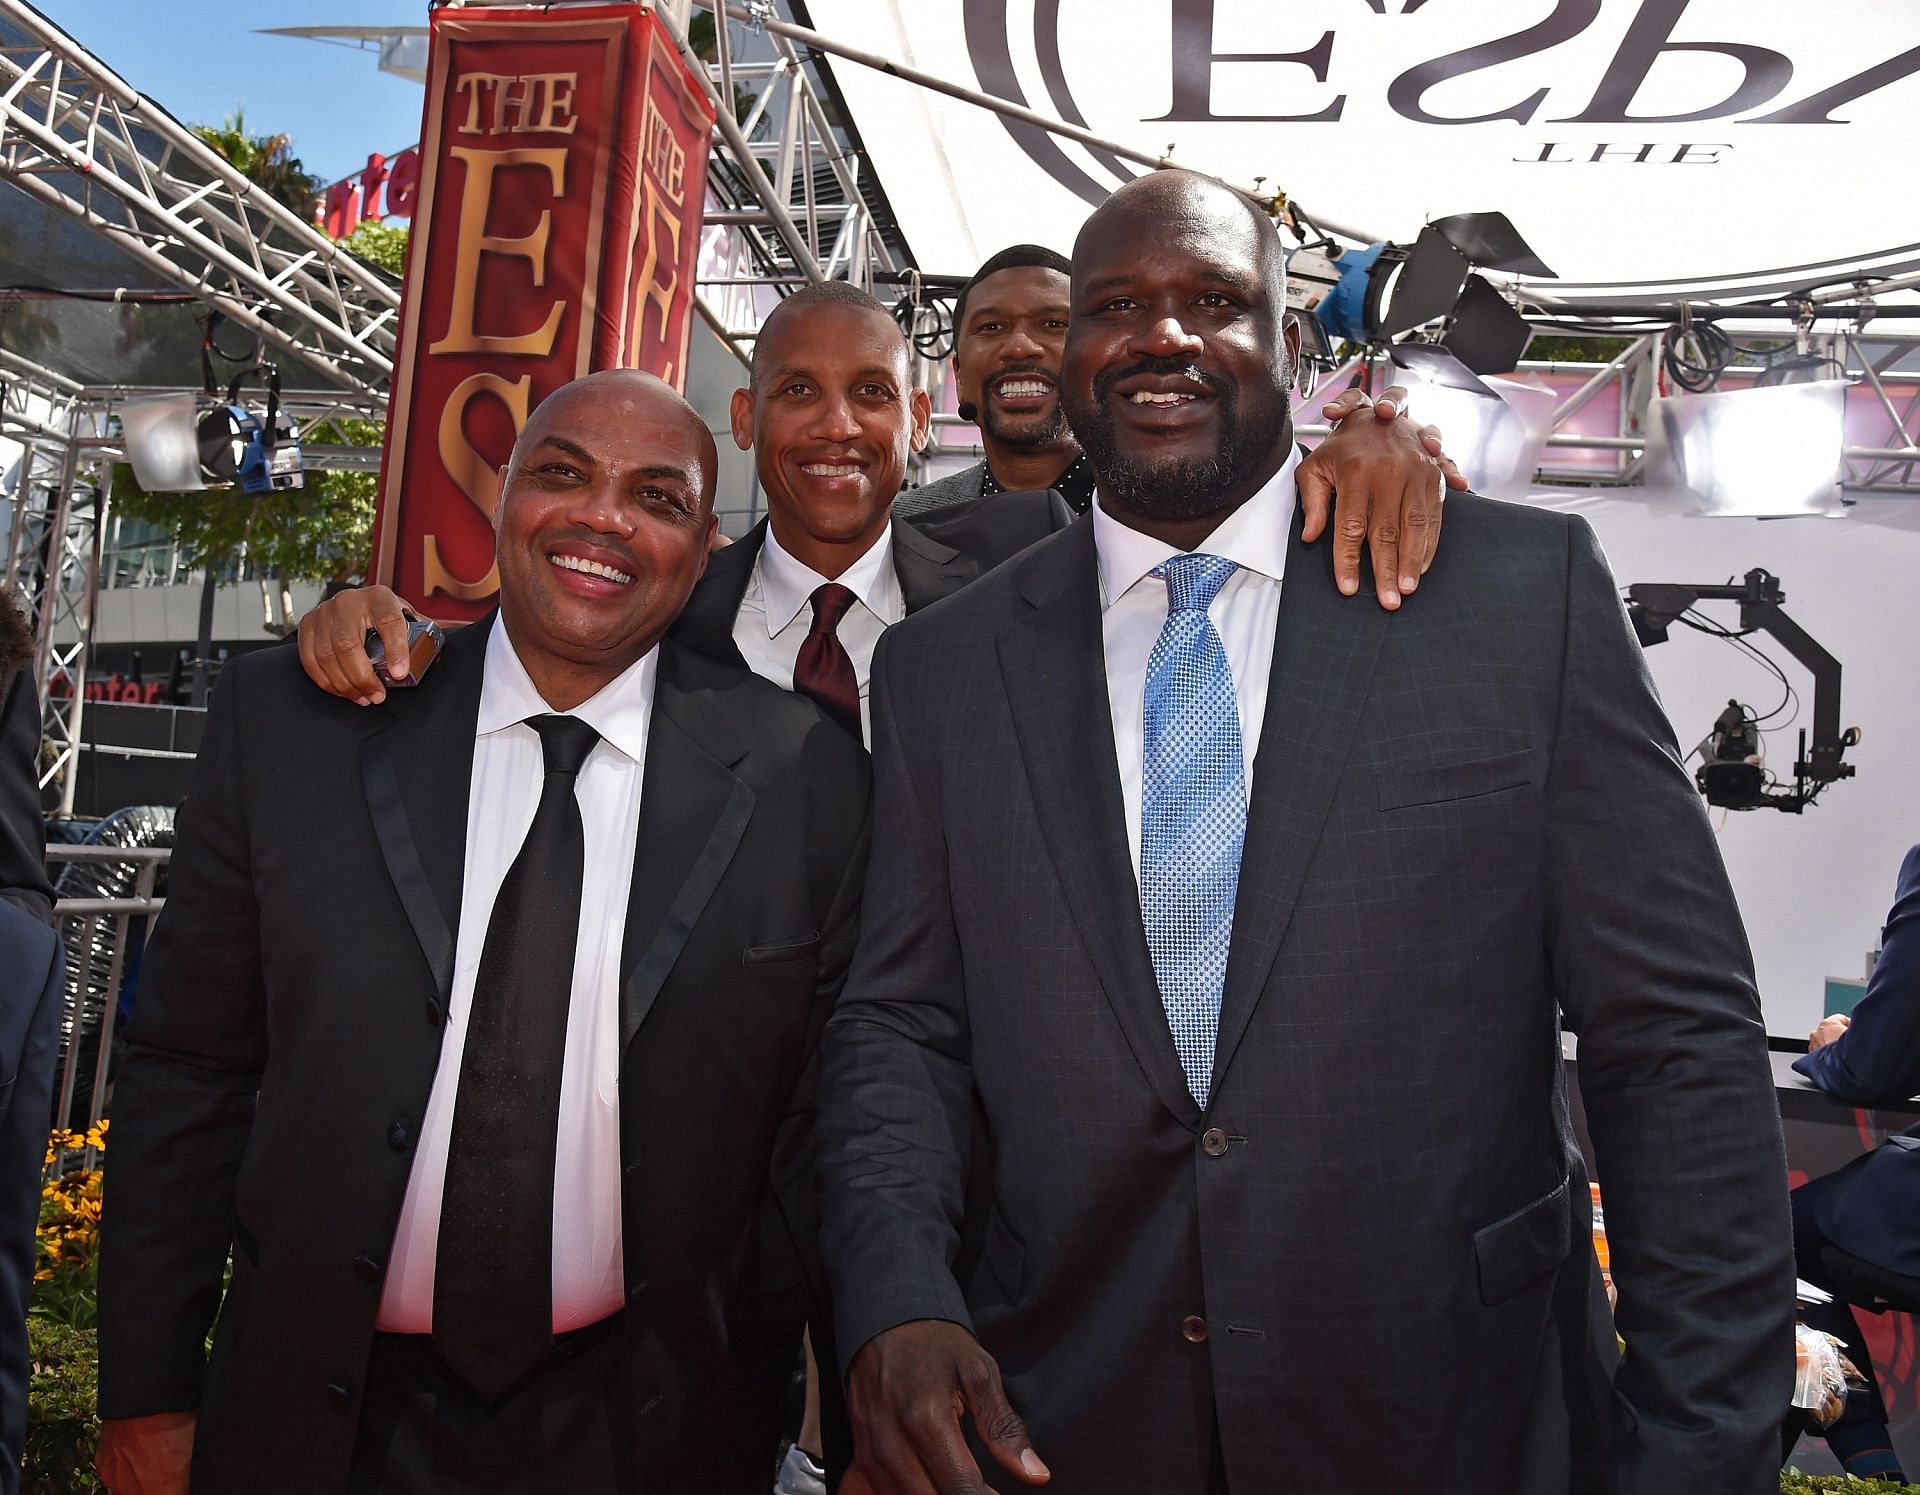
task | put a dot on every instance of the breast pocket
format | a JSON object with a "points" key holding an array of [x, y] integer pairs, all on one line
{"points": [[784, 953], [1404, 788]]}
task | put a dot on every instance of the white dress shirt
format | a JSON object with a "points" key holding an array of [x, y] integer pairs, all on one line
{"points": [[1245, 613], [508, 770], [776, 613]]}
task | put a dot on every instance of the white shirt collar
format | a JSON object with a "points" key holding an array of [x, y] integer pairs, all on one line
{"points": [[1254, 537], [619, 711], [787, 585]]}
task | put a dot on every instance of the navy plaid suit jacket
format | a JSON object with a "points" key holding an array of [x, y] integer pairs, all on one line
{"points": [[1468, 818]]}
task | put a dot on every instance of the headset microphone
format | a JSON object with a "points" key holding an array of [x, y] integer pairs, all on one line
{"points": [[969, 412]]}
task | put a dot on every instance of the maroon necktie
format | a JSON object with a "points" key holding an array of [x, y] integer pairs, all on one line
{"points": [[823, 670]]}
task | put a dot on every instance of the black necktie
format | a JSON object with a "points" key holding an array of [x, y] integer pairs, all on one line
{"points": [[493, 1269], [824, 670]]}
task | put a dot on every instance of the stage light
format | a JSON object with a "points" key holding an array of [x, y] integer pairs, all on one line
{"points": [[161, 443], [1386, 290], [1757, 453], [178, 443], [1494, 433], [1485, 332]]}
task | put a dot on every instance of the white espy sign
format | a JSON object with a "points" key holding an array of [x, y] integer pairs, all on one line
{"points": [[1645, 148]]}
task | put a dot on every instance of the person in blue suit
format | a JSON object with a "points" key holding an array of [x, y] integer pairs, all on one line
{"points": [[1871, 1207], [32, 989]]}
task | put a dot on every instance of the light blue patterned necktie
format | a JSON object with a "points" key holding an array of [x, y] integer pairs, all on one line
{"points": [[1193, 812]]}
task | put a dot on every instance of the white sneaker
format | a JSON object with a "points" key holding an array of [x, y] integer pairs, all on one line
{"points": [[799, 1475]]}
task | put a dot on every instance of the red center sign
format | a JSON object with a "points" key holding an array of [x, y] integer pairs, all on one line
{"points": [[563, 166]]}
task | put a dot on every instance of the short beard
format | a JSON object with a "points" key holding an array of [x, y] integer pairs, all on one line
{"points": [[1035, 438], [1179, 488]]}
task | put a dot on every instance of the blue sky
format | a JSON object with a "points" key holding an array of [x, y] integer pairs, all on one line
{"points": [[202, 58]]}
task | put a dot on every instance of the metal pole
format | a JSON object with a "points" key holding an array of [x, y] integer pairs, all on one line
{"points": [[116, 967], [736, 142], [77, 701]]}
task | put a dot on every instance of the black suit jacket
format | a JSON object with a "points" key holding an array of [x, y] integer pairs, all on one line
{"points": [[33, 975], [23, 830], [1466, 818], [289, 1026], [934, 556]]}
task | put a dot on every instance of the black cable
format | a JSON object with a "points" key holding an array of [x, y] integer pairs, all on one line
{"points": [[1701, 623], [1781, 371], [1697, 355], [109, 294], [936, 342]]}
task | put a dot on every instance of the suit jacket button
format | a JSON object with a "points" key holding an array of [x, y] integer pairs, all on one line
{"points": [[366, 1268], [1213, 1142], [340, 1393], [1193, 1329], [397, 1135]]}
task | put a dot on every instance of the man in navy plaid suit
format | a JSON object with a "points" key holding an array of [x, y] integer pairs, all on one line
{"points": [[1250, 920]]}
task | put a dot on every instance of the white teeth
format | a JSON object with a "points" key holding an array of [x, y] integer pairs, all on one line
{"points": [[1149, 397], [590, 568], [1022, 389], [829, 469]]}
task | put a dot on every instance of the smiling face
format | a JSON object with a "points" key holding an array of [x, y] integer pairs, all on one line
{"points": [[605, 512], [1176, 368], [1007, 354], [831, 419]]}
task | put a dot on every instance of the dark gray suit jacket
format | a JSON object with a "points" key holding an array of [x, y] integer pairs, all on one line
{"points": [[957, 487], [288, 1032], [1467, 817]]}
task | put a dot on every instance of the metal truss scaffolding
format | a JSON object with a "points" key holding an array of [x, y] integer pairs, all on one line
{"points": [[78, 139]]}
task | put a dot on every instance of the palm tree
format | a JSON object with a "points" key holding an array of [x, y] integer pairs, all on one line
{"points": [[265, 160]]}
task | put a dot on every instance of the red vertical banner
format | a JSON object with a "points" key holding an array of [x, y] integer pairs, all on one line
{"points": [[562, 171]]}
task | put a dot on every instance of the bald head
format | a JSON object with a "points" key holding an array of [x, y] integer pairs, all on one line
{"points": [[1187, 201], [622, 393]]}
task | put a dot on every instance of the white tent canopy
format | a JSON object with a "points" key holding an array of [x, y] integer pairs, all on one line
{"points": [[1646, 149]]}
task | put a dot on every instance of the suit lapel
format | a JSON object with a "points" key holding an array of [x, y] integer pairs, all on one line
{"points": [[417, 773], [693, 812], [1323, 659], [705, 624], [928, 570], [1054, 665]]}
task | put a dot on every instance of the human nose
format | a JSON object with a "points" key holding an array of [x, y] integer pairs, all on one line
{"points": [[1021, 346], [835, 420], [1166, 337], [598, 507]]}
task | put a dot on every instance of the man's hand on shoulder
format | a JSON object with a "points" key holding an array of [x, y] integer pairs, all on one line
{"points": [[908, 1389], [333, 642], [146, 1455], [1380, 481]]}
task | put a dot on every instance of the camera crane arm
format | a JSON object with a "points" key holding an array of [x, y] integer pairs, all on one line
{"points": [[1653, 607]]}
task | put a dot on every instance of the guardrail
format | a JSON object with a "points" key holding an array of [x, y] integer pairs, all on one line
{"points": [[100, 934]]}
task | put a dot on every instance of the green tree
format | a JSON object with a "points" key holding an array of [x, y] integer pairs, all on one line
{"points": [[381, 245], [267, 161]]}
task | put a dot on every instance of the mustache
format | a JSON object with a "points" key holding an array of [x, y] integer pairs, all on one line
{"points": [[1026, 371], [1171, 368]]}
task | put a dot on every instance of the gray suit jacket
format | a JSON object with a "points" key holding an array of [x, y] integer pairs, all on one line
{"points": [[955, 488], [1467, 818]]}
